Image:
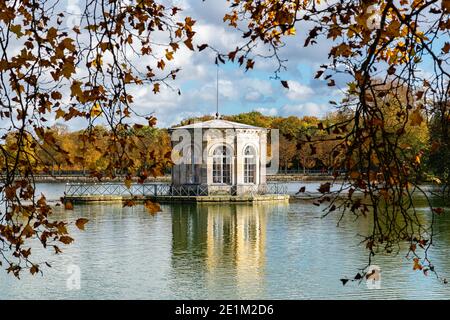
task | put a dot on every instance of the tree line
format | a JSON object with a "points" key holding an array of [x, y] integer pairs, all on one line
{"points": [[304, 143]]}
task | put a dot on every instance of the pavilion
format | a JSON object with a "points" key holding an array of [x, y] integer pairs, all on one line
{"points": [[220, 156]]}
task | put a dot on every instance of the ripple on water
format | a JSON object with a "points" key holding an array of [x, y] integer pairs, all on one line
{"points": [[223, 251]]}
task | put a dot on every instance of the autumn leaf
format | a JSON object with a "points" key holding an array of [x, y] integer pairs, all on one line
{"points": [[66, 239], [152, 207], [34, 269], [128, 182], [324, 188], [250, 64], [301, 190], [202, 47], [16, 29], [96, 110], [28, 231], [80, 223], [169, 55], [68, 205], [155, 88], [188, 44], [446, 47], [75, 89], [128, 203], [42, 201], [416, 118], [417, 265], [285, 84]]}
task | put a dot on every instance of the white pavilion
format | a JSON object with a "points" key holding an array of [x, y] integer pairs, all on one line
{"points": [[220, 157]]}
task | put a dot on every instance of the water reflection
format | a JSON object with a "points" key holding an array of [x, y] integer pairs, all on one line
{"points": [[224, 251], [210, 241]]}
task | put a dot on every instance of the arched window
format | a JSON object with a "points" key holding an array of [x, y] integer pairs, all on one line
{"points": [[249, 165], [222, 165]]}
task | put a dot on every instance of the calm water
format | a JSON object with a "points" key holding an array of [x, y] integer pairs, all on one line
{"points": [[270, 251]]}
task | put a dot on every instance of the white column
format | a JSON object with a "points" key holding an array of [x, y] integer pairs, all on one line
{"points": [[262, 156]]}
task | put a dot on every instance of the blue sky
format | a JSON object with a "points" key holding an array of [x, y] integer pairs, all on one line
{"points": [[240, 91]]}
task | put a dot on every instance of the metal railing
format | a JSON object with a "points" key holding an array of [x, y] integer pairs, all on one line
{"points": [[270, 188], [147, 189], [309, 172]]}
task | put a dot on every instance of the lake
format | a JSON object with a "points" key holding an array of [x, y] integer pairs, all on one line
{"points": [[226, 251]]}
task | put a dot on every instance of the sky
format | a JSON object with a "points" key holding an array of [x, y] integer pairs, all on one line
{"points": [[239, 91]]}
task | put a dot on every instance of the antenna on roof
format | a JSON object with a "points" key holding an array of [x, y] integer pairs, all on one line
{"points": [[217, 88]]}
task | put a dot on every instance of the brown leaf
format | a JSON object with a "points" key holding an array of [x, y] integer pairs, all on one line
{"points": [[416, 118], [324, 188], [285, 84], [80, 223], [128, 203], [188, 44], [66, 239], [301, 190], [202, 47], [128, 182], [152, 207], [28, 231], [34, 269]]}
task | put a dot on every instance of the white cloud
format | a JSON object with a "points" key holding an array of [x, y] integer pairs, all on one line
{"points": [[306, 109], [298, 91], [253, 96], [268, 111]]}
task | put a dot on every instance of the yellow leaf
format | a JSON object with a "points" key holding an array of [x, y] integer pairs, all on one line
{"points": [[96, 110], [418, 159], [169, 55], [291, 31]]}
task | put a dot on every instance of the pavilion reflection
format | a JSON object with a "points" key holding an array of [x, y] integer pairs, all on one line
{"points": [[210, 240]]}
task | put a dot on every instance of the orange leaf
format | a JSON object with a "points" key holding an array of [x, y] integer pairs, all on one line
{"points": [[152, 207], [68, 205]]}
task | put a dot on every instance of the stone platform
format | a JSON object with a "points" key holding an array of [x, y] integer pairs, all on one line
{"points": [[170, 199]]}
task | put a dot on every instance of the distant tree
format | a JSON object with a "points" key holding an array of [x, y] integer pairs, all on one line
{"points": [[288, 151]]}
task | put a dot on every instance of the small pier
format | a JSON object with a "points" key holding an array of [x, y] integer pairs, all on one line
{"points": [[165, 193]]}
